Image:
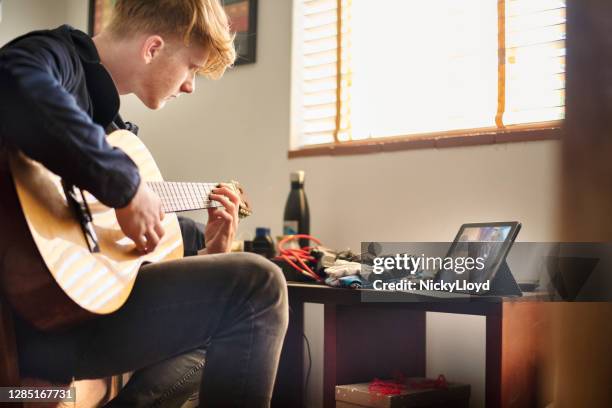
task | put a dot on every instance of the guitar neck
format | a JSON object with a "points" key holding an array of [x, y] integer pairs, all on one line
{"points": [[176, 196]]}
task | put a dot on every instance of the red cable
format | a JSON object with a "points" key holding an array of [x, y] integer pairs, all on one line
{"points": [[301, 255]]}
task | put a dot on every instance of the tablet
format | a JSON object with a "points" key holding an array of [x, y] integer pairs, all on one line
{"points": [[489, 242]]}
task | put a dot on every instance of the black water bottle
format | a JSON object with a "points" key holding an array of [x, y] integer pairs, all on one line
{"points": [[297, 216]]}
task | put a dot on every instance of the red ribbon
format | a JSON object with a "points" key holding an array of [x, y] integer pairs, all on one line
{"points": [[385, 387], [379, 387]]}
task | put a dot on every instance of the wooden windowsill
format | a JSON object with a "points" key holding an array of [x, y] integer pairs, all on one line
{"points": [[464, 137]]}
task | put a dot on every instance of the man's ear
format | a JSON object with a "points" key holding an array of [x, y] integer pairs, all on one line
{"points": [[151, 48]]}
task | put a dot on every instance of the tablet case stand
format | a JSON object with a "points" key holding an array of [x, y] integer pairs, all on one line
{"points": [[503, 283]]}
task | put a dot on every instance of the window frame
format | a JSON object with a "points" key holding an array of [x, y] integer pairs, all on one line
{"points": [[535, 131], [531, 132]]}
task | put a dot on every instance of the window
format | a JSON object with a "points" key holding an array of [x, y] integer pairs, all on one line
{"points": [[367, 69]]}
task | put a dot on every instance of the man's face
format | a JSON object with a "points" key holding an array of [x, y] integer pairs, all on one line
{"points": [[170, 73]]}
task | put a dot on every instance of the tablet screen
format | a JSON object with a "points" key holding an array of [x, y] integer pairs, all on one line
{"points": [[487, 243]]}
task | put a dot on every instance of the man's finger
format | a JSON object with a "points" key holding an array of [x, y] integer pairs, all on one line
{"points": [[229, 193], [225, 215], [225, 201], [141, 243], [159, 230], [152, 240]]}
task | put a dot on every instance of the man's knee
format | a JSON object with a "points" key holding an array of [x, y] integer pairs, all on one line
{"points": [[264, 274], [269, 277], [268, 284]]}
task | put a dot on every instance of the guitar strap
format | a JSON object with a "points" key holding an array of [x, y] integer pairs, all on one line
{"points": [[81, 210], [118, 124]]}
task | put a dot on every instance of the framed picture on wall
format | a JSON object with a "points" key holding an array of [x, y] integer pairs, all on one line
{"points": [[243, 21], [242, 15], [99, 14]]}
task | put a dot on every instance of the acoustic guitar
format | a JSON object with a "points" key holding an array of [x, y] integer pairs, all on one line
{"points": [[63, 256]]}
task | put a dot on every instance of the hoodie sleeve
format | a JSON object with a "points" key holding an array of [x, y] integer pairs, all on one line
{"points": [[42, 119]]}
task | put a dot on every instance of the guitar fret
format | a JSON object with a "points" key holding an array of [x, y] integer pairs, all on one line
{"points": [[183, 196], [201, 198], [168, 192], [177, 196], [208, 190], [186, 195], [171, 195], [192, 197], [185, 188], [161, 190], [163, 194], [198, 195], [201, 195], [204, 193]]}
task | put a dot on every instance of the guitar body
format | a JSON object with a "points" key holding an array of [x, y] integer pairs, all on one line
{"points": [[47, 271]]}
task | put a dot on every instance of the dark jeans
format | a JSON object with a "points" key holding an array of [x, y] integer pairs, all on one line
{"points": [[229, 310]]}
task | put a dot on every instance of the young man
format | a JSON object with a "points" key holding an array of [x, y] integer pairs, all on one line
{"points": [[60, 96]]}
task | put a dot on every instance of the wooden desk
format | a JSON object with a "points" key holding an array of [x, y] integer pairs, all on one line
{"points": [[363, 340]]}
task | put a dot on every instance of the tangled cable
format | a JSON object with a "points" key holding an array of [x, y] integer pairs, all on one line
{"points": [[298, 257]]}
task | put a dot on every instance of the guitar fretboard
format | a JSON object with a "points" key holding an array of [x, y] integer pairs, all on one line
{"points": [[176, 197]]}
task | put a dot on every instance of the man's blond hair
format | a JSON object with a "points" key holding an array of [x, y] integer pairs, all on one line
{"points": [[199, 21]]}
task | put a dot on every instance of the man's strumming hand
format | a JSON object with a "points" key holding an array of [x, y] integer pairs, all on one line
{"points": [[141, 219]]}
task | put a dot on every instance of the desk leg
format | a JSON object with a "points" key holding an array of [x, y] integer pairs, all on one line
{"points": [[329, 353], [493, 361], [362, 342], [288, 390]]}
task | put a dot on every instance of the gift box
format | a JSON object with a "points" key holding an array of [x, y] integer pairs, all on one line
{"points": [[415, 392]]}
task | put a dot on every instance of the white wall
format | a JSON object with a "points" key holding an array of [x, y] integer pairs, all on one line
{"points": [[456, 348], [22, 16], [77, 14], [238, 128]]}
